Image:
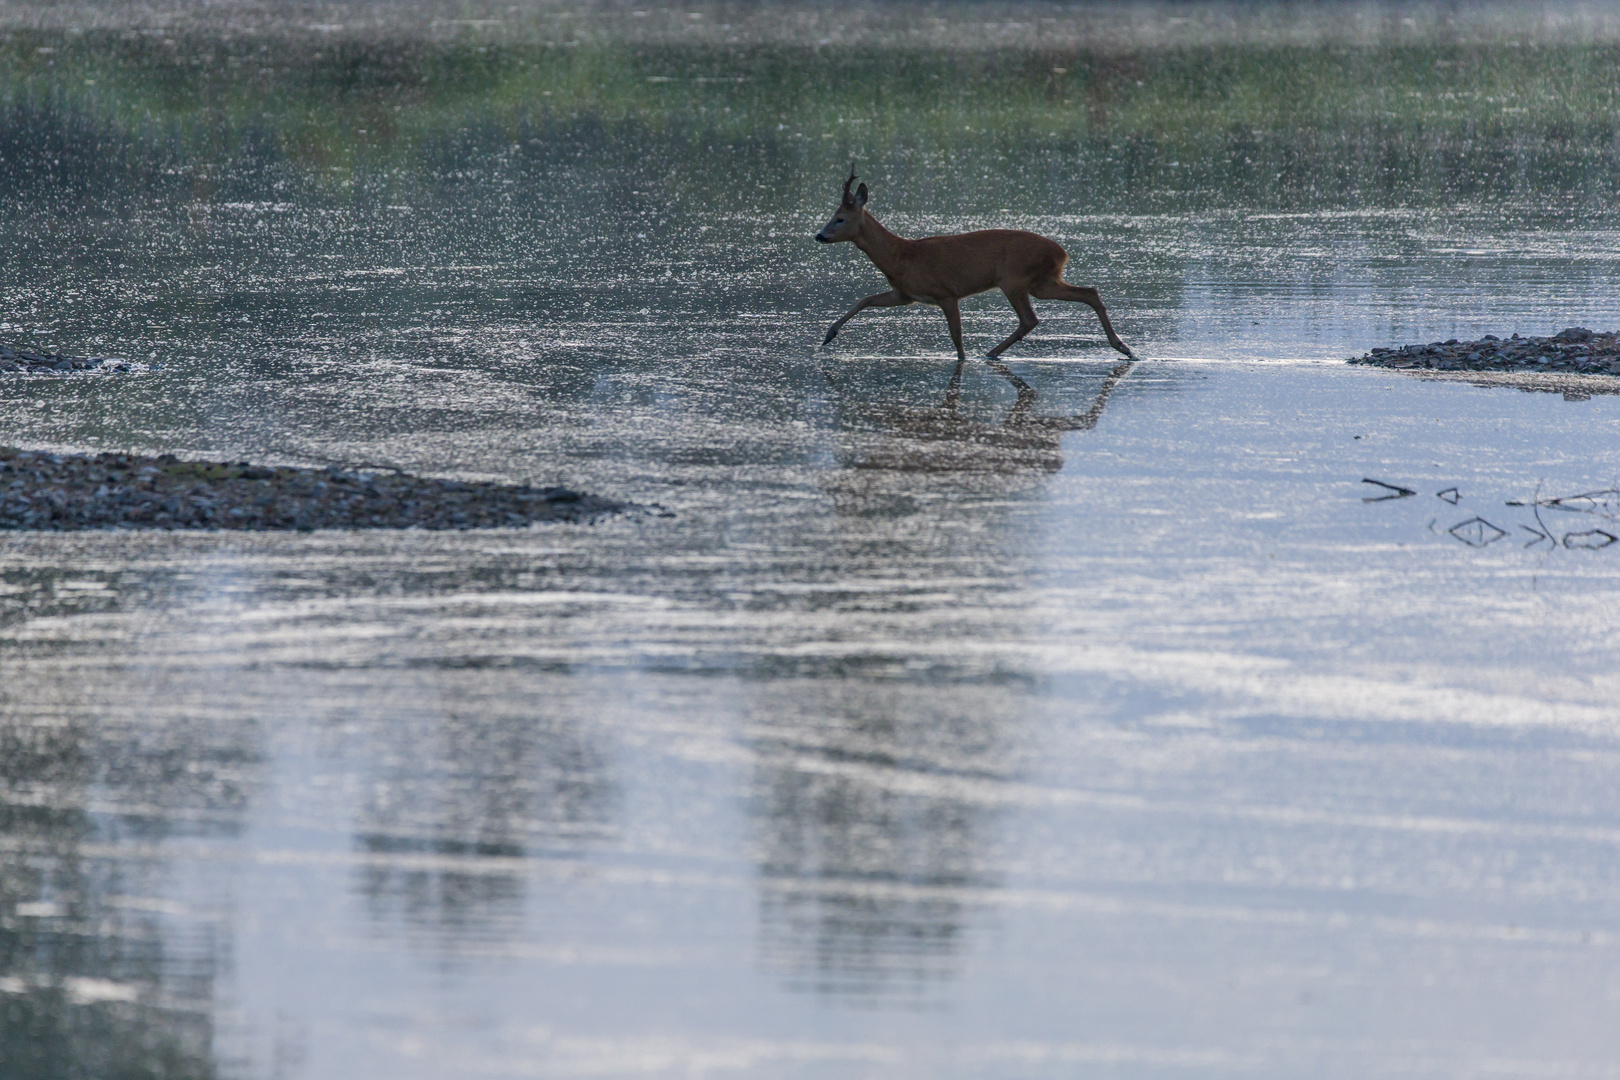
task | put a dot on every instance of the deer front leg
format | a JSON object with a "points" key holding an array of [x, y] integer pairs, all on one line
{"points": [[953, 319], [892, 298]]}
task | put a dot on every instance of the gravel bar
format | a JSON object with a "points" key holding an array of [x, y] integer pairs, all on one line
{"points": [[19, 361], [1576, 351], [68, 492]]}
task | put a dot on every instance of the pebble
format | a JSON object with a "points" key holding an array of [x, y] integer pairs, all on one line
{"points": [[1575, 350], [20, 361], [70, 492]]}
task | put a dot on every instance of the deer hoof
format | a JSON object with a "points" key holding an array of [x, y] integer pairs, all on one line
{"points": [[830, 335]]}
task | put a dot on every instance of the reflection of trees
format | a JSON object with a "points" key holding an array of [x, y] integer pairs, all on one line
{"points": [[86, 988], [956, 450], [1268, 123], [484, 782], [865, 841], [93, 982]]}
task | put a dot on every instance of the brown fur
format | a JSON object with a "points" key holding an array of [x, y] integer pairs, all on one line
{"points": [[944, 270]]}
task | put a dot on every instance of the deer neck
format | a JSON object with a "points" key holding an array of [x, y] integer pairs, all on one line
{"points": [[881, 246]]}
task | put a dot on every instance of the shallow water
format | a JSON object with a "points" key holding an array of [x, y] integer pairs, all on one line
{"points": [[1071, 719]]}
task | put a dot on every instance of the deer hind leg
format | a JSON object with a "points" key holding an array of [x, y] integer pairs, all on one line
{"points": [[1062, 290], [1026, 320], [892, 298], [953, 319]]}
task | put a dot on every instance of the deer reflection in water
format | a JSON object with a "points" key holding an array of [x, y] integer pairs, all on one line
{"points": [[946, 441]]}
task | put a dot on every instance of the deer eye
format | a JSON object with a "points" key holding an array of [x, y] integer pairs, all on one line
{"points": [[839, 221]]}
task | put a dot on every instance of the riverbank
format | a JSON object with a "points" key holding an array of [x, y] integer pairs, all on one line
{"points": [[67, 492]]}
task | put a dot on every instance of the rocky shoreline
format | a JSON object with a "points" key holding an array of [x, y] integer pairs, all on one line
{"points": [[17, 361], [70, 492], [1576, 351]]}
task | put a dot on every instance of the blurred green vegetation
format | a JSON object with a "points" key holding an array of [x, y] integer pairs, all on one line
{"points": [[324, 103]]}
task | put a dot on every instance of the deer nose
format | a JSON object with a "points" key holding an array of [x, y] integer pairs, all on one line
{"points": [[822, 239]]}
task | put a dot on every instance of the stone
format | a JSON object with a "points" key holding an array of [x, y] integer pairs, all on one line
{"points": [[15, 360], [80, 492], [1490, 353]]}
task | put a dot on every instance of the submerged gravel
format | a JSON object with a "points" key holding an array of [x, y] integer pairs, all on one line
{"points": [[63, 492], [20, 361], [1576, 350]]}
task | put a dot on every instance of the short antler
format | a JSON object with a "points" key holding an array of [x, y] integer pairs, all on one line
{"points": [[849, 200]]}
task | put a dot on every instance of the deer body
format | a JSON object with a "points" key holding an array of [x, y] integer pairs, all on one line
{"points": [[944, 270]]}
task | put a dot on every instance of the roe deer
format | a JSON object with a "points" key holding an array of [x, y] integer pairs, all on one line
{"points": [[942, 270]]}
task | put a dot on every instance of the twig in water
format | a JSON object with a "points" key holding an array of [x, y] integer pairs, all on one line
{"points": [[1395, 490]]}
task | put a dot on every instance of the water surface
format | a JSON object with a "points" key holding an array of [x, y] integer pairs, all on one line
{"points": [[1063, 719]]}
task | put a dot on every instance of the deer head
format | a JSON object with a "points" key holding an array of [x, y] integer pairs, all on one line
{"points": [[846, 221]]}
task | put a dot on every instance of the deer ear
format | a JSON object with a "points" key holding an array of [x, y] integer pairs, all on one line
{"points": [[860, 195]]}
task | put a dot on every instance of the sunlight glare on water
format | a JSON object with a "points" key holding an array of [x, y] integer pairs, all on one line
{"points": [[1069, 718]]}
